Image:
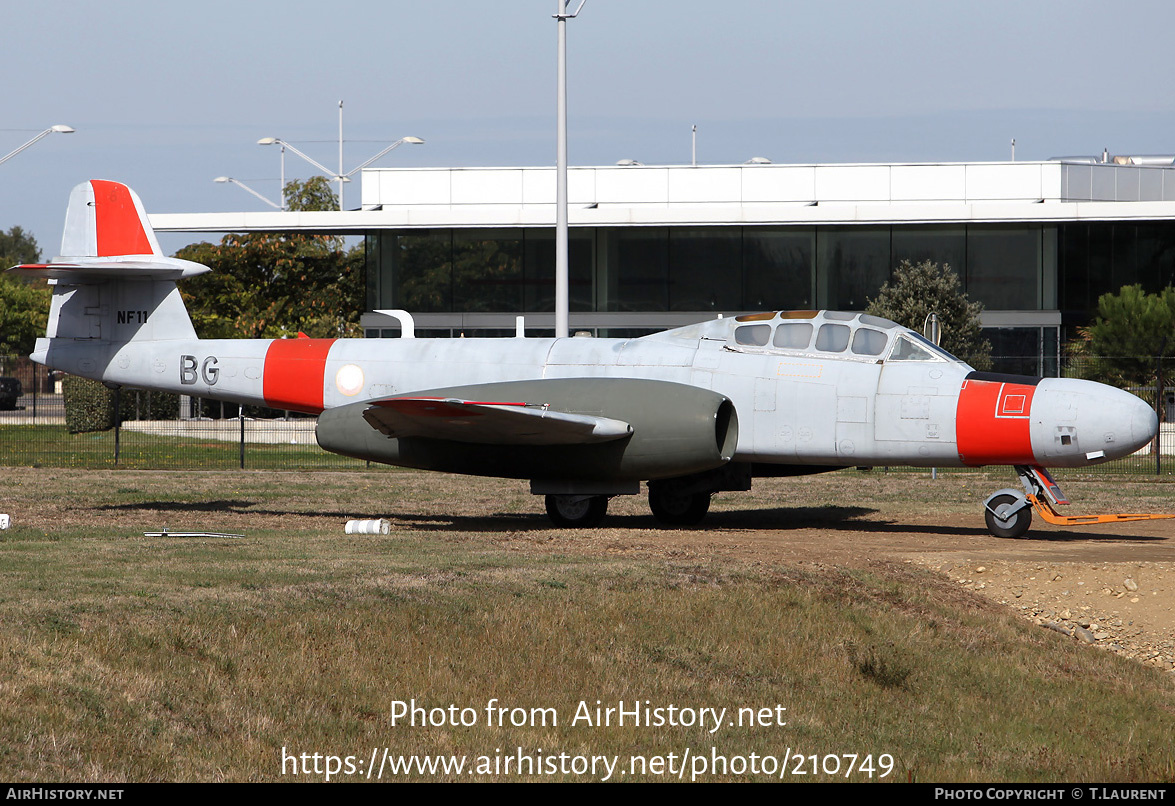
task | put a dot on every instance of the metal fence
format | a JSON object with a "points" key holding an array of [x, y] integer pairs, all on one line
{"points": [[157, 431], [165, 432]]}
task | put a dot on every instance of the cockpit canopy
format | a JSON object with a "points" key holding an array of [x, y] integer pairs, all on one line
{"points": [[846, 335]]}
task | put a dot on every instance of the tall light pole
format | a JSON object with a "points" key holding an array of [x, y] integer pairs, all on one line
{"points": [[561, 282], [60, 128], [339, 176]]}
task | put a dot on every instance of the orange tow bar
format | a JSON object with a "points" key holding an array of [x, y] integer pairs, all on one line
{"points": [[1047, 512]]}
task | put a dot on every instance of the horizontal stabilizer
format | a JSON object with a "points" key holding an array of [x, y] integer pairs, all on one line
{"points": [[108, 237], [99, 270], [489, 423]]}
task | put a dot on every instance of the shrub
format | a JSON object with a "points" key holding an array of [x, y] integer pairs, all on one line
{"points": [[89, 405]]}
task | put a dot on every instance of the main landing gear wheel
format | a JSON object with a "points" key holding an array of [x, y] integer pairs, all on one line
{"points": [[674, 509], [577, 511], [1002, 521]]}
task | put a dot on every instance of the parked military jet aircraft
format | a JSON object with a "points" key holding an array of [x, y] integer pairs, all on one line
{"points": [[691, 411]]}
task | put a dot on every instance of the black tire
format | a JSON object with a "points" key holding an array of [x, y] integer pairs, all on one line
{"points": [[577, 512], [678, 510], [1000, 524]]}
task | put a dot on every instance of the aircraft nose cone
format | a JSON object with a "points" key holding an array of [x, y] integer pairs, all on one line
{"points": [[1144, 423], [1077, 422]]}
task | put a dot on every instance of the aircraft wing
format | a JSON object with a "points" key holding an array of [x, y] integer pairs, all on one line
{"points": [[489, 422], [603, 431]]}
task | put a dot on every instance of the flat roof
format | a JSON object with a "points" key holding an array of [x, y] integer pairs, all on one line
{"points": [[716, 195]]}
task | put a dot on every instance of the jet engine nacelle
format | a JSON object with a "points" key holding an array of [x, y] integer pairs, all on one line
{"points": [[673, 430]]}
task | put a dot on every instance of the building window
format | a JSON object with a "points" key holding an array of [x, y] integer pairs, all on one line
{"points": [[487, 270], [539, 269], [1004, 266], [410, 269], [777, 268], [946, 246], [1101, 257], [852, 263], [705, 268], [636, 273]]}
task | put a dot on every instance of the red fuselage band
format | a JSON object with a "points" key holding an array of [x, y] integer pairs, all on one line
{"points": [[294, 370], [992, 423]]}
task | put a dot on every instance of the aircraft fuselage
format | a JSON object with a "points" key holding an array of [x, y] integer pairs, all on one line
{"points": [[846, 390]]}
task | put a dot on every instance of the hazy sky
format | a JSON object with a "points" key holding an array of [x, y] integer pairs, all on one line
{"points": [[168, 96]]}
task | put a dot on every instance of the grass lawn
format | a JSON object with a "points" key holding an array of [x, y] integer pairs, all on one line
{"points": [[130, 658]]}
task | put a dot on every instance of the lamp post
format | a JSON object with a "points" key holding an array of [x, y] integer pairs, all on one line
{"points": [[60, 128], [239, 183], [340, 177], [561, 282]]}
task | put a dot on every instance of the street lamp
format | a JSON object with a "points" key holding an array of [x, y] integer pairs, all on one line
{"points": [[269, 141], [339, 177], [562, 288], [281, 188], [60, 128], [415, 141], [224, 179]]}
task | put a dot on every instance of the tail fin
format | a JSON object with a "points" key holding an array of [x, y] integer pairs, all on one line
{"points": [[112, 282], [106, 219]]}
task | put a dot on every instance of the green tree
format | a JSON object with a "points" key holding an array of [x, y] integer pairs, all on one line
{"points": [[24, 305], [18, 246], [1132, 330], [271, 284], [313, 194], [917, 290]]}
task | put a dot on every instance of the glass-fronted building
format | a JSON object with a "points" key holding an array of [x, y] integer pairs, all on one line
{"points": [[467, 250], [699, 269]]}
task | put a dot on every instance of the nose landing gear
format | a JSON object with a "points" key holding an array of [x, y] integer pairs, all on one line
{"points": [[1009, 512]]}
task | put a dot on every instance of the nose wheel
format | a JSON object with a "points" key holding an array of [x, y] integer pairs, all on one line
{"points": [[1008, 515]]}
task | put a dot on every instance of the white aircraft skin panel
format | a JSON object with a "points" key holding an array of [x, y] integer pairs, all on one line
{"points": [[225, 369], [401, 366], [584, 351], [80, 236], [915, 407], [647, 353], [234, 369]]}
